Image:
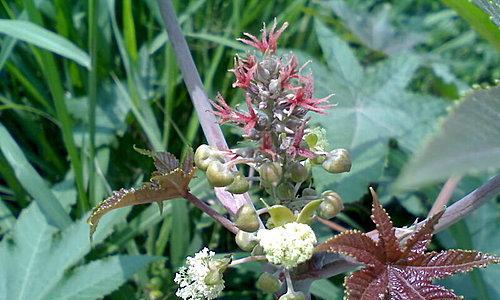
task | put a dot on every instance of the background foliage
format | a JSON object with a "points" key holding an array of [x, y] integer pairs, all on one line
{"points": [[81, 82]]}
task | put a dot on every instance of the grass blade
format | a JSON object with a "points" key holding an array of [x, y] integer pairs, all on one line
{"points": [[32, 181], [43, 38]]}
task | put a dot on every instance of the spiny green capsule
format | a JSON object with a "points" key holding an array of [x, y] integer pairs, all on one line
{"points": [[285, 191], [246, 240], [219, 175], [331, 205], [240, 185], [293, 296], [202, 157], [298, 172], [271, 172], [337, 161], [268, 283], [247, 218]]}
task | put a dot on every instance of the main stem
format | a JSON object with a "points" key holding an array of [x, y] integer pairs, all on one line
{"points": [[199, 98]]}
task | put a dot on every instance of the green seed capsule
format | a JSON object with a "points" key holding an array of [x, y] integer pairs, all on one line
{"points": [[219, 175], [247, 218], [285, 191], [309, 192], [240, 185], [271, 172], [298, 172], [202, 157], [268, 283], [246, 240], [331, 205], [293, 296], [337, 161]]}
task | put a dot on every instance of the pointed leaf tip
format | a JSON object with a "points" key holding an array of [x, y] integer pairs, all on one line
{"points": [[165, 184]]}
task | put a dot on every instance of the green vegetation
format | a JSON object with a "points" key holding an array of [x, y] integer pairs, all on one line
{"points": [[83, 82]]}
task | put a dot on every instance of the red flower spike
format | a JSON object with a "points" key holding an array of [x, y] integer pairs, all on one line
{"points": [[227, 114], [303, 97], [244, 70], [267, 145], [267, 44], [401, 272], [289, 71], [296, 149]]}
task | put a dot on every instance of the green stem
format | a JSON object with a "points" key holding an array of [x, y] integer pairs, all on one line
{"points": [[92, 94], [53, 78]]}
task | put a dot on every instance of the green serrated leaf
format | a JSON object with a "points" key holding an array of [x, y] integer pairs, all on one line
{"points": [[307, 213], [281, 215], [32, 181], [477, 19], [374, 28], [99, 278], [468, 142], [43, 249], [369, 112]]}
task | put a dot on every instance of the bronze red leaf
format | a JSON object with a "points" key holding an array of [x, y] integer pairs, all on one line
{"points": [[168, 182], [393, 273]]}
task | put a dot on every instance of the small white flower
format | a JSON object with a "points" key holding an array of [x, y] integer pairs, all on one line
{"points": [[288, 245], [191, 278]]}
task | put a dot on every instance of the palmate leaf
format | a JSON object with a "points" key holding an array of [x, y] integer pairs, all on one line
{"points": [[401, 271], [372, 107], [467, 142], [36, 259], [169, 181], [374, 29]]}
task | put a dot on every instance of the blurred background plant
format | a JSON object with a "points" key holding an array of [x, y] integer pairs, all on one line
{"points": [[83, 81]]}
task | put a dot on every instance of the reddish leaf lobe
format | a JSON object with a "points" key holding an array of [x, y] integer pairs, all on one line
{"points": [[401, 274]]}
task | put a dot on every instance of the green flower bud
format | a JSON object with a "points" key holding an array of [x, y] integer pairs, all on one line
{"points": [[318, 159], [246, 240], [257, 250], [271, 172], [331, 205], [155, 283], [337, 161], [240, 185], [268, 283], [247, 218], [202, 157], [156, 295], [220, 264], [219, 175], [217, 268], [298, 172], [285, 191], [214, 277], [308, 192], [293, 296]]}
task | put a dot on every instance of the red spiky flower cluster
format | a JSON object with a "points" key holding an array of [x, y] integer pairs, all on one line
{"points": [[277, 98]]}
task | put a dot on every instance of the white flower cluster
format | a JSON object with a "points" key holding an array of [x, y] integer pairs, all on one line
{"points": [[288, 245], [191, 278]]}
